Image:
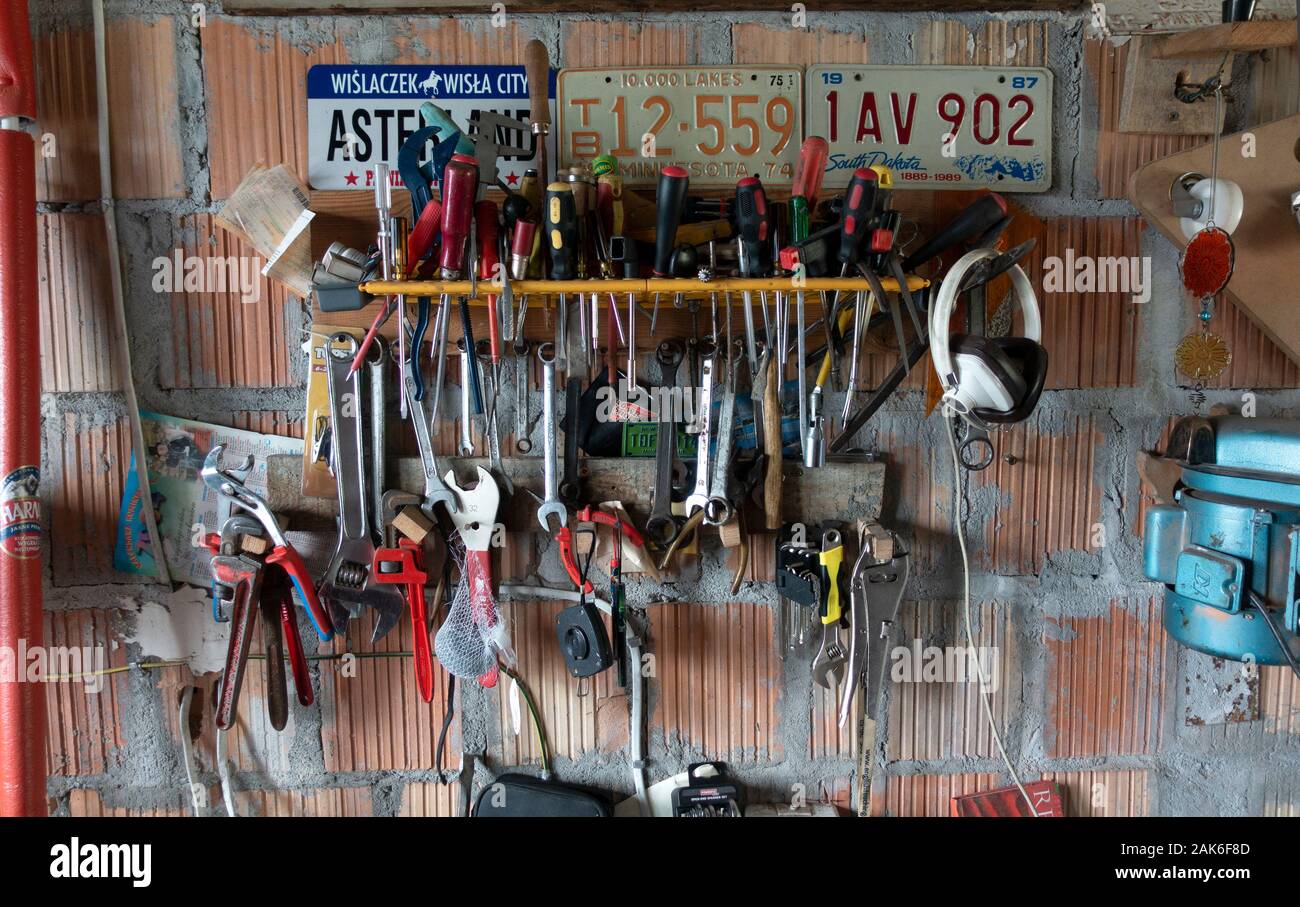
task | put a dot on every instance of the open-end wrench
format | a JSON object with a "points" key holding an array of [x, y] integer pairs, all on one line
{"points": [[699, 497], [476, 521], [661, 527], [718, 508], [551, 506], [435, 492]]}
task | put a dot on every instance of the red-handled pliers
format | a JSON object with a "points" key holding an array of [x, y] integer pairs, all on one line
{"points": [[282, 554], [591, 514]]}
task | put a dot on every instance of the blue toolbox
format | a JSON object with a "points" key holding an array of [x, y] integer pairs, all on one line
{"points": [[1228, 547]]}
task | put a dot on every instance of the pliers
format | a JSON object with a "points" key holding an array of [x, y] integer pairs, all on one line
{"points": [[875, 594], [230, 484], [591, 514], [243, 585]]}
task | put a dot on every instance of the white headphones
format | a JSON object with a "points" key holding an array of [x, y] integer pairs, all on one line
{"points": [[989, 379]]}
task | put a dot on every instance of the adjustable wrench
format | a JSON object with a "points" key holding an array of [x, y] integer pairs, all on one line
{"points": [[699, 497], [346, 586], [828, 666], [661, 527], [551, 505]]}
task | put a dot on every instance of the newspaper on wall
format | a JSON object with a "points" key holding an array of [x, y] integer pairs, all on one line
{"points": [[184, 507]]}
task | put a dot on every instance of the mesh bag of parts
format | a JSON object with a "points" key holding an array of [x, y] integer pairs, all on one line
{"points": [[472, 637]]}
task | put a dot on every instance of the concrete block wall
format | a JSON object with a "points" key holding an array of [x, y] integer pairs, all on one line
{"points": [[1092, 693]]}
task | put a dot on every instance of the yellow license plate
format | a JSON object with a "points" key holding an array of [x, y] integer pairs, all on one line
{"points": [[721, 123]]}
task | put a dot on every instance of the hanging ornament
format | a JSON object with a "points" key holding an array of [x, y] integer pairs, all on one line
{"points": [[1206, 267], [1202, 357]]}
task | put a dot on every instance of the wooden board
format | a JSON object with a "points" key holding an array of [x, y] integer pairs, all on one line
{"points": [[1149, 105], [1266, 283], [275, 7], [1228, 36], [849, 489]]}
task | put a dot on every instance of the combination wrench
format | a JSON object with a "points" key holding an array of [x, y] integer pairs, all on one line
{"points": [[523, 443], [435, 491], [551, 506], [661, 527], [699, 497], [718, 508]]}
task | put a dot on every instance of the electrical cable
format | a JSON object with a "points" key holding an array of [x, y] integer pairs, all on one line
{"points": [[1276, 631], [447, 714], [950, 426], [537, 721], [122, 344], [187, 750]]}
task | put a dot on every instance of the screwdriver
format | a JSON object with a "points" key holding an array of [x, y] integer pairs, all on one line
{"points": [[459, 186], [383, 205], [670, 200], [808, 175], [561, 240], [521, 255], [753, 225]]}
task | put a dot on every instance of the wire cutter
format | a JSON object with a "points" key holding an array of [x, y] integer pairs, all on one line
{"points": [[230, 484], [875, 594]]}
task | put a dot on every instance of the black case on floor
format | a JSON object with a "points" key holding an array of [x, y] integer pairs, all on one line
{"points": [[513, 796]]}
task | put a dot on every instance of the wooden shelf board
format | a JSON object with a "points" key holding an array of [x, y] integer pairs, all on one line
{"points": [[1214, 40]]}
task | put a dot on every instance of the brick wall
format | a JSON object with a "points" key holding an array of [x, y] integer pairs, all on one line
{"points": [[1093, 694]]}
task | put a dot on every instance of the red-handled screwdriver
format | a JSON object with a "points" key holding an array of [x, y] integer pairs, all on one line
{"points": [[459, 187]]}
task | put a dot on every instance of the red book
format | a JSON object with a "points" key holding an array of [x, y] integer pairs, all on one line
{"points": [[1007, 801]]}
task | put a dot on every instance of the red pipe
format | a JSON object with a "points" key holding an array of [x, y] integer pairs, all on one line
{"points": [[22, 703]]}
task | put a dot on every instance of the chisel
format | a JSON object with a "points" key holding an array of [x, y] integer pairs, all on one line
{"points": [[537, 69]]}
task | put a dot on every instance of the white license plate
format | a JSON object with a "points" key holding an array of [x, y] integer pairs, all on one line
{"points": [[721, 123], [936, 127]]}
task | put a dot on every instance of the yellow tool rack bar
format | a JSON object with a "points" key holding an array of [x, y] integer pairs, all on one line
{"points": [[639, 287]]}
